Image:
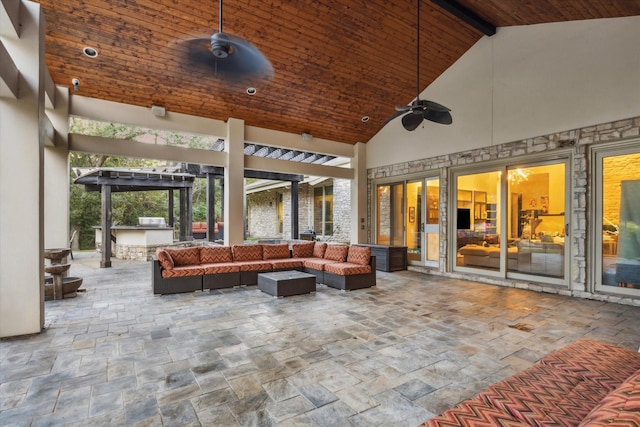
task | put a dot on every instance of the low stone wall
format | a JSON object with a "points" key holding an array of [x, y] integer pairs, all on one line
{"points": [[144, 253]]}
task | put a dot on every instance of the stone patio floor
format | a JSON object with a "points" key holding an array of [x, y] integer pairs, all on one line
{"points": [[396, 354]]}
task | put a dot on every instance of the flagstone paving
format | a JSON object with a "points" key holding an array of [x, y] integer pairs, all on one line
{"points": [[396, 354]]}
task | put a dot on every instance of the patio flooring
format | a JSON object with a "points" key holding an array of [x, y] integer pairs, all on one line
{"points": [[396, 354]]}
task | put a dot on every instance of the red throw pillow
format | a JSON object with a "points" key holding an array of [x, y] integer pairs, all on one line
{"points": [[359, 255], [303, 250], [318, 250], [185, 256], [336, 252], [215, 254], [165, 259], [278, 251], [247, 252]]}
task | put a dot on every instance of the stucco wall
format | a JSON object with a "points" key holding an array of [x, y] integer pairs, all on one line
{"points": [[522, 82]]}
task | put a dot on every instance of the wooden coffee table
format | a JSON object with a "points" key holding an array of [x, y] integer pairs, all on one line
{"points": [[286, 283]]}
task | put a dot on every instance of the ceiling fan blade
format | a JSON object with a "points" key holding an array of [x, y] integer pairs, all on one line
{"points": [[412, 120], [433, 105], [442, 117], [394, 116], [244, 61]]}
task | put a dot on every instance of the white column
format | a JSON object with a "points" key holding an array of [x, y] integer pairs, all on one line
{"points": [[21, 182], [359, 194], [56, 176], [234, 184]]}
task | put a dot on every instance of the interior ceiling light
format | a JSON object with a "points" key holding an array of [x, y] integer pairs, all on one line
{"points": [[365, 118], [251, 90], [90, 52]]}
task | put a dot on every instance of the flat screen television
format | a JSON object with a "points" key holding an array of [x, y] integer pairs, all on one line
{"points": [[464, 219]]}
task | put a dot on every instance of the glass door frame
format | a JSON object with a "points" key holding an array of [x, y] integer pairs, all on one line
{"points": [[598, 154], [404, 180], [504, 167]]}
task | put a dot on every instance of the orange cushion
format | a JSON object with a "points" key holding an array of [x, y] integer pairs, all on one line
{"points": [[347, 268], [359, 255], [278, 251], [221, 267], [317, 263], [247, 252], [303, 250], [183, 271], [254, 265], [336, 252], [165, 259], [318, 250], [215, 254], [288, 263], [185, 256]]}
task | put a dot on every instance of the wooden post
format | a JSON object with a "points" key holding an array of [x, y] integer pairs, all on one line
{"points": [[211, 206], [294, 210], [186, 214], [172, 220], [105, 193]]}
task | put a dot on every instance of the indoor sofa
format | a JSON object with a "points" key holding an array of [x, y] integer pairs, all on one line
{"points": [[488, 256], [587, 383], [194, 268]]}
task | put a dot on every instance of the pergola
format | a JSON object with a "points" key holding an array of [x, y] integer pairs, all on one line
{"points": [[108, 180]]}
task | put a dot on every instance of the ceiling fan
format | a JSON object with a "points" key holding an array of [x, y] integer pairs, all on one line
{"points": [[230, 58], [420, 109]]}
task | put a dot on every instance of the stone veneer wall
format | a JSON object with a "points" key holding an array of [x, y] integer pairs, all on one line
{"points": [[578, 141], [263, 216]]}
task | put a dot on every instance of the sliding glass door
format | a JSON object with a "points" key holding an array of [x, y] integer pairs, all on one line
{"points": [[510, 221], [617, 220], [390, 214], [407, 214]]}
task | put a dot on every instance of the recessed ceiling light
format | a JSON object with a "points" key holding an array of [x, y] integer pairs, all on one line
{"points": [[251, 90], [90, 52], [365, 118]]}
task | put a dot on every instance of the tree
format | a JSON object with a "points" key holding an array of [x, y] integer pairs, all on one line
{"points": [[85, 207]]}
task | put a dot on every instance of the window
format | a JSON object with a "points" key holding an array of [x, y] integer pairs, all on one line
{"points": [[536, 224], [617, 221], [511, 221], [323, 210], [280, 210], [390, 214], [477, 228]]}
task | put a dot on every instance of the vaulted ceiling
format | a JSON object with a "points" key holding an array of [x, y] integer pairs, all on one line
{"points": [[335, 61]]}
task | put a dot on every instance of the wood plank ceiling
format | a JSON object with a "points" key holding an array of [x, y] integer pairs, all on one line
{"points": [[335, 61]]}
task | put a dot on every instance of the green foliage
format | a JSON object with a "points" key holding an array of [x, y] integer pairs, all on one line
{"points": [[85, 207]]}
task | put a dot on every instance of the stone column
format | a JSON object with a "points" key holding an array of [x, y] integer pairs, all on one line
{"points": [[234, 184], [22, 175], [56, 175], [359, 194]]}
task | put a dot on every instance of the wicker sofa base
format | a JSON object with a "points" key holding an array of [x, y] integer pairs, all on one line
{"points": [[220, 280], [350, 282], [318, 273], [173, 285]]}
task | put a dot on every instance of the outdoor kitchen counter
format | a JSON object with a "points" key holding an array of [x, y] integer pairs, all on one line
{"points": [[135, 238]]}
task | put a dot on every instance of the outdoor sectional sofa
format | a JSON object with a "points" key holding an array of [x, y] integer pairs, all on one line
{"points": [[176, 270], [587, 383]]}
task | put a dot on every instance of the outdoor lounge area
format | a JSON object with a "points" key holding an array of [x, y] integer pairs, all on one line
{"points": [[119, 355], [487, 151]]}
